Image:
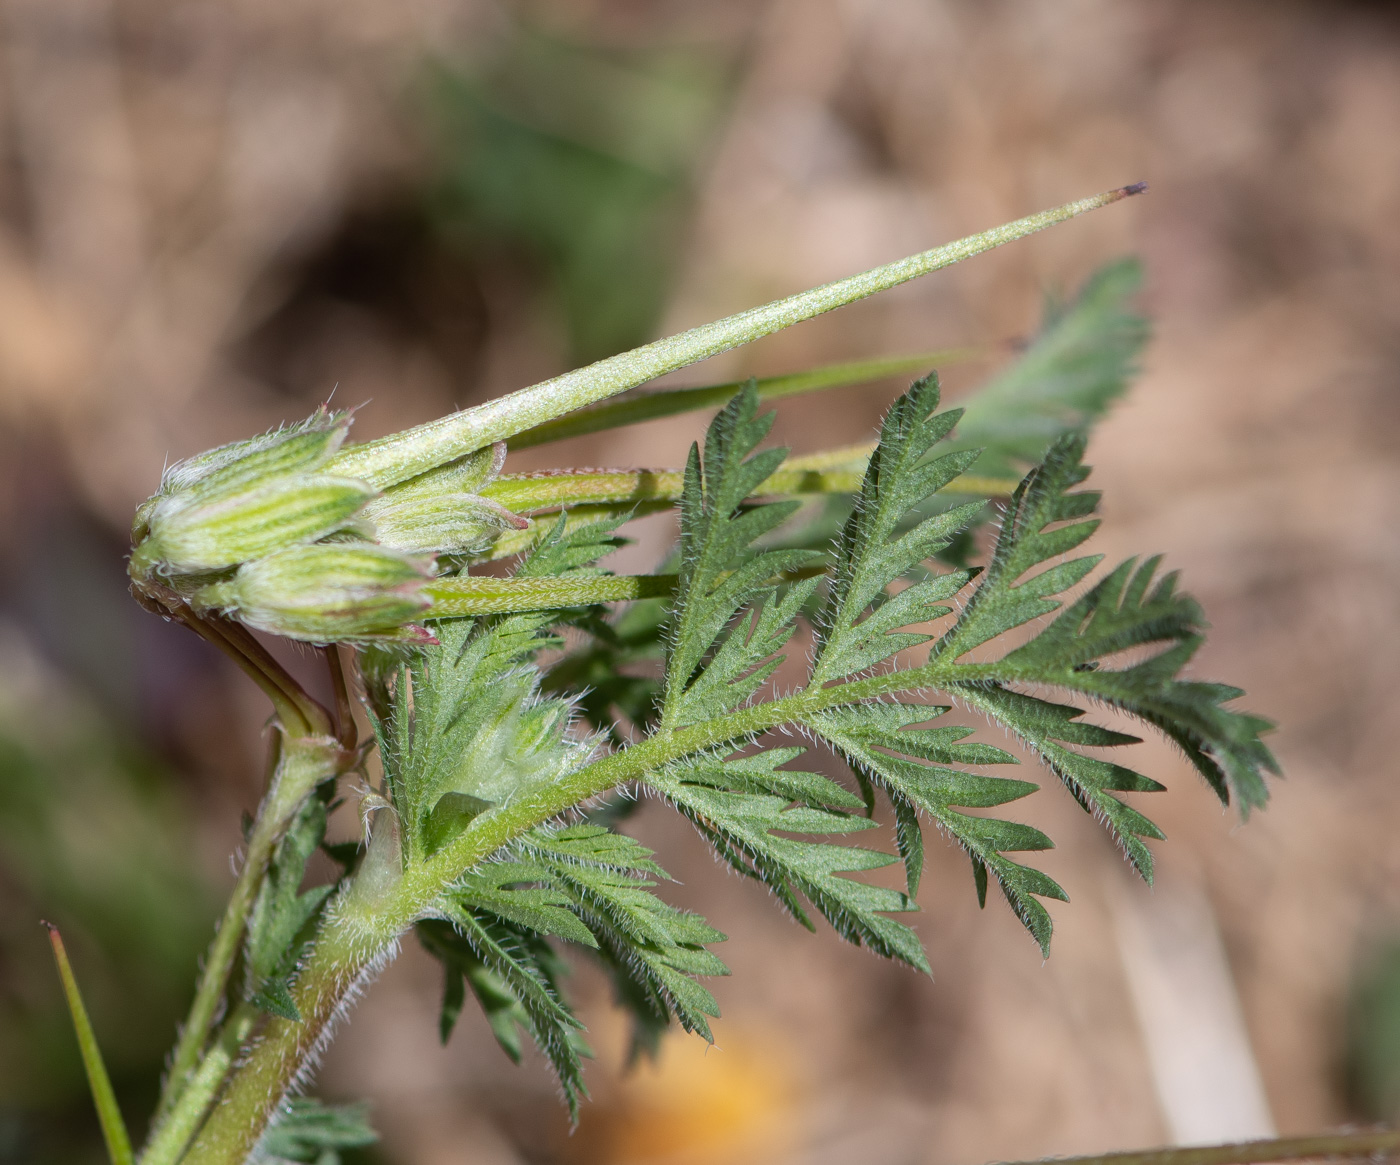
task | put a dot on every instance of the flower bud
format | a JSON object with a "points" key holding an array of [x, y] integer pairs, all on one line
{"points": [[203, 530], [327, 592], [455, 523], [301, 448], [440, 512]]}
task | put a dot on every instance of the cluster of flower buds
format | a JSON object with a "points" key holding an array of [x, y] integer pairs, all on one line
{"points": [[266, 532], [292, 534]]}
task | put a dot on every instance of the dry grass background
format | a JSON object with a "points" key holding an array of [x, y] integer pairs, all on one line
{"points": [[167, 169]]}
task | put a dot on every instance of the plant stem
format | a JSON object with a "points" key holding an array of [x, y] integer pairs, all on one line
{"points": [[364, 924], [344, 956], [168, 1141], [109, 1114], [300, 715], [818, 473], [1355, 1144], [482, 595], [397, 458], [670, 402], [302, 764]]}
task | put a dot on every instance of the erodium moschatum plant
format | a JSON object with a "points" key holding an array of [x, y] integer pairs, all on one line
{"points": [[514, 712]]}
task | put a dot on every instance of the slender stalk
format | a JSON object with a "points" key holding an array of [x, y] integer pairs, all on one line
{"points": [[346, 731], [470, 595], [289, 710], [650, 406], [832, 471], [170, 1138], [401, 456], [303, 763], [479, 595], [1367, 1143], [299, 714], [109, 1114]]}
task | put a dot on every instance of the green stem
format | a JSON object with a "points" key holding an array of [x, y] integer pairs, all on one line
{"points": [[362, 929], [109, 1115], [401, 456], [469, 595], [1355, 1144], [651, 406], [480, 595], [298, 713], [303, 763], [819, 473], [170, 1137]]}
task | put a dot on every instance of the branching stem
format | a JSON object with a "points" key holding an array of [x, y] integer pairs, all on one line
{"points": [[362, 928], [302, 764]]}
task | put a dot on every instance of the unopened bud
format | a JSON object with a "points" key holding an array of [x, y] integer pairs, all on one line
{"points": [[441, 512], [327, 592], [198, 530], [447, 524], [300, 448]]}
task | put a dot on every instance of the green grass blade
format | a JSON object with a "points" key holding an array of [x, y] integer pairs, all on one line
{"points": [[403, 455], [651, 406], [110, 1116]]}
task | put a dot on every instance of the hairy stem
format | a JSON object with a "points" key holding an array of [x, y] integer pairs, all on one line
{"points": [[366, 922], [839, 471], [482, 595], [172, 1135], [648, 406], [393, 459], [302, 764]]}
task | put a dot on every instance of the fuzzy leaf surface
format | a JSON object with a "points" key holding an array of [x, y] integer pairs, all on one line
{"points": [[743, 808], [720, 571]]}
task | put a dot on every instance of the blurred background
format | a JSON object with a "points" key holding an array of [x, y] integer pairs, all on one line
{"points": [[215, 213]]}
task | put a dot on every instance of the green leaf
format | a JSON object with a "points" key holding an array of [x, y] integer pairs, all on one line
{"points": [[881, 741], [1048, 727], [1081, 362], [1004, 598], [515, 976], [282, 918], [587, 885], [1124, 611], [109, 1113], [869, 556], [656, 948], [746, 827], [720, 572], [467, 721], [306, 1130]]}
